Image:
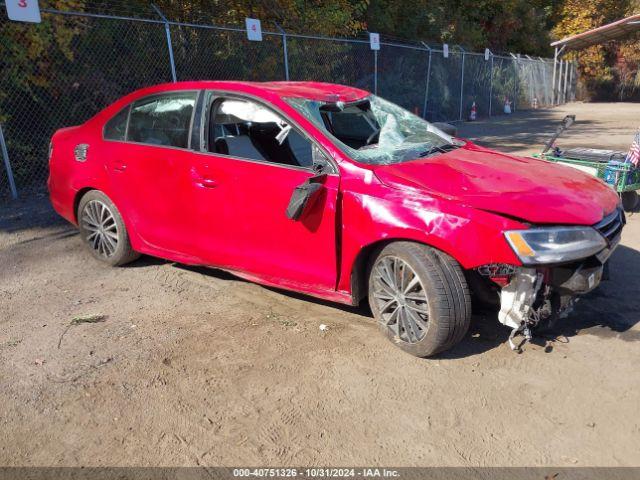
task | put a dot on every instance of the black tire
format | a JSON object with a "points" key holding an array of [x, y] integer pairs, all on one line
{"points": [[94, 208], [446, 312], [630, 201]]}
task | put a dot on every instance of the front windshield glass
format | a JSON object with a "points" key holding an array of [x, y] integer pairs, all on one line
{"points": [[375, 131]]}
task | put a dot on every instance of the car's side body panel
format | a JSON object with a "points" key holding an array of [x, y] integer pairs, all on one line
{"points": [[212, 209], [151, 184], [66, 175], [248, 203], [373, 212]]}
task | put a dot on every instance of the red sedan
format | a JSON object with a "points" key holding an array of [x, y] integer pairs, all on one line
{"points": [[334, 192]]}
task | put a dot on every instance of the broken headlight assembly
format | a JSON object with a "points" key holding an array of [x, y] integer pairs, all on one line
{"points": [[554, 244]]}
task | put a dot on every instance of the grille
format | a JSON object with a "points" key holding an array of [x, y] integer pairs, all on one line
{"points": [[611, 225]]}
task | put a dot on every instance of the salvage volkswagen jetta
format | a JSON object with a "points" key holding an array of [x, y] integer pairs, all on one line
{"points": [[334, 192]]}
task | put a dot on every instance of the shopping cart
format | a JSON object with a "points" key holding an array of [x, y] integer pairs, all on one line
{"points": [[608, 165]]}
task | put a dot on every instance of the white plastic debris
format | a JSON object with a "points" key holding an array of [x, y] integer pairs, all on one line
{"points": [[323, 327]]}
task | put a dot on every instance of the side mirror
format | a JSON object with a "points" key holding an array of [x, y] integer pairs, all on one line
{"points": [[303, 196]]}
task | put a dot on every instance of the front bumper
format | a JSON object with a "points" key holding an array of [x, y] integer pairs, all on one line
{"points": [[548, 292]]}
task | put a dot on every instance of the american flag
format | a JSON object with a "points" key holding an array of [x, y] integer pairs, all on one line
{"points": [[634, 152]]}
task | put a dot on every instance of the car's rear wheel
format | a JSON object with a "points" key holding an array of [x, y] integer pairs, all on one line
{"points": [[103, 231], [420, 298]]}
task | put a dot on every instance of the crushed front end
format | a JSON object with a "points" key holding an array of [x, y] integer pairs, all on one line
{"points": [[559, 264]]}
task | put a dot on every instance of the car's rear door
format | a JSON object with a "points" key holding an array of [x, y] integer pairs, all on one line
{"points": [[258, 175], [150, 171]]}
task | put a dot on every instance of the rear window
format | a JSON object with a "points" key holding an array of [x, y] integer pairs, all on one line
{"points": [[162, 119], [116, 128]]}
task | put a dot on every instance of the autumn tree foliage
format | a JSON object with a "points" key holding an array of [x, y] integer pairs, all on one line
{"points": [[522, 26], [608, 71]]}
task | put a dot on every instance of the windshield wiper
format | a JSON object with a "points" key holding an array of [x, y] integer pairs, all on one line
{"points": [[433, 149], [447, 147]]}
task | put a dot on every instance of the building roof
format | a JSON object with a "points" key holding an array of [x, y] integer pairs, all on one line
{"points": [[612, 31]]}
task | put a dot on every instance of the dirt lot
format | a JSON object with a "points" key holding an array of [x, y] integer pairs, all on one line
{"points": [[195, 367]]}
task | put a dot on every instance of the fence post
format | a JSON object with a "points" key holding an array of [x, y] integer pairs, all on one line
{"points": [[556, 84], [566, 76], [516, 82], [375, 72], [285, 52], [563, 64], [491, 85], [7, 165], [559, 86], [543, 101], [167, 29], [462, 83], [572, 93], [553, 80], [426, 90], [530, 79]]}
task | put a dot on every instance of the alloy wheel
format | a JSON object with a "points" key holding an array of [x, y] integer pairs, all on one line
{"points": [[400, 299], [101, 229]]}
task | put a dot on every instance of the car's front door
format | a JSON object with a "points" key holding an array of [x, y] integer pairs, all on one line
{"points": [[258, 159]]}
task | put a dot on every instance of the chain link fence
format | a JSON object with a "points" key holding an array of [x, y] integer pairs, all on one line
{"points": [[67, 68]]}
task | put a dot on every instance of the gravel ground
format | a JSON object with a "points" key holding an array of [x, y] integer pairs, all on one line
{"points": [[190, 366]]}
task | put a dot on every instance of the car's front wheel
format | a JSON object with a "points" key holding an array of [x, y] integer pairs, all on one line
{"points": [[103, 231], [420, 298]]}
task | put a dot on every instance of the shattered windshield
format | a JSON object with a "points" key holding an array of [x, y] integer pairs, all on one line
{"points": [[375, 131]]}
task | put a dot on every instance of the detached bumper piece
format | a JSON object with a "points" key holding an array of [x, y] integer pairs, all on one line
{"points": [[543, 294], [535, 297]]}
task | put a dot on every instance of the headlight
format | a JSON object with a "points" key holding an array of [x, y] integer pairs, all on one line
{"points": [[555, 244]]}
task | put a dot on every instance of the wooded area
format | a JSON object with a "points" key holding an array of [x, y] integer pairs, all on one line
{"points": [[609, 72], [63, 70]]}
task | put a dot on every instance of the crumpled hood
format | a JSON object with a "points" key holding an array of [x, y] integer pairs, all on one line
{"points": [[534, 190]]}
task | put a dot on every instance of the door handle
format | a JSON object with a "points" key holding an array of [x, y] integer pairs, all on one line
{"points": [[119, 167]]}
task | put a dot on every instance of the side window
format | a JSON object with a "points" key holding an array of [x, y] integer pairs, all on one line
{"points": [[116, 128], [162, 119], [246, 129]]}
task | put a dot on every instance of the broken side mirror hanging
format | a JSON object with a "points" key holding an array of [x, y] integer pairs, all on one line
{"points": [[303, 196]]}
